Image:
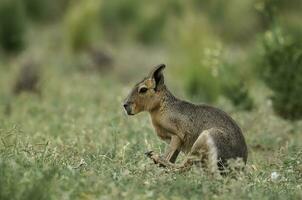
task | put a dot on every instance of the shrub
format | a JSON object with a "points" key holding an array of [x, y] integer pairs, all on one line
{"points": [[234, 82], [282, 61], [206, 74], [238, 93], [144, 22], [234, 20], [118, 15], [45, 10], [149, 29], [193, 35], [12, 25], [200, 84], [83, 24], [153, 20], [215, 77]]}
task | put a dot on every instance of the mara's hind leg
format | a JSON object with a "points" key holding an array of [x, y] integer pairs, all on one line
{"points": [[203, 152]]}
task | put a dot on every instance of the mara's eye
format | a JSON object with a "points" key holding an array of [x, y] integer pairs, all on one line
{"points": [[142, 90]]}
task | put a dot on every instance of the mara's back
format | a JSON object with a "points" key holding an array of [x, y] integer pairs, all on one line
{"points": [[202, 117], [198, 118]]}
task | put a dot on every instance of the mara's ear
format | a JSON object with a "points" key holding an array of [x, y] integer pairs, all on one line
{"points": [[157, 75]]}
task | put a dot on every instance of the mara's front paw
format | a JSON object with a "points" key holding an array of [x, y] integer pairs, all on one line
{"points": [[149, 154], [156, 158]]}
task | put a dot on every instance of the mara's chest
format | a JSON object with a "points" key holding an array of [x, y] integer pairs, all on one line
{"points": [[162, 132], [161, 127]]}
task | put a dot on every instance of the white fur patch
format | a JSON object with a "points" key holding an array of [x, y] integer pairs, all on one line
{"points": [[212, 154]]}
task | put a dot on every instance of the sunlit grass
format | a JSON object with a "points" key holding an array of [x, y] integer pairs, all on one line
{"points": [[75, 142]]}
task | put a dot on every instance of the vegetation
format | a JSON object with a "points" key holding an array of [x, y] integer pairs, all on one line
{"points": [[283, 73], [12, 28], [72, 140], [45, 10], [82, 25], [75, 142]]}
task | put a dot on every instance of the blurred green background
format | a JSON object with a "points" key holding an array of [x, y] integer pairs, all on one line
{"points": [[215, 48], [66, 65]]}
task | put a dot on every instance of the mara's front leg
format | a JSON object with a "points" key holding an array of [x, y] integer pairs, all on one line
{"points": [[171, 152], [203, 151], [172, 149]]}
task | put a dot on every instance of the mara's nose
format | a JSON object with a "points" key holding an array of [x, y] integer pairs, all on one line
{"points": [[126, 105]]}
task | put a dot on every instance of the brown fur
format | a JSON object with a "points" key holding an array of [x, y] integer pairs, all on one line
{"points": [[202, 132]]}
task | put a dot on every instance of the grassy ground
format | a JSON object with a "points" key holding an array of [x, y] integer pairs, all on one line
{"points": [[75, 142]]}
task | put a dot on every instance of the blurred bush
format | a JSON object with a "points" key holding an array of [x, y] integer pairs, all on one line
{"points": [[282, 55], [236, 76], [153, 20], [82, 24], [187, 38], [192, 31], [206, 73], [215, 77], [45, 10], [201, 85], [118, 17], [239, 95], [287, 12], [234, 20], [142, 21], [12, 25], [149, 28], [282, 61]]}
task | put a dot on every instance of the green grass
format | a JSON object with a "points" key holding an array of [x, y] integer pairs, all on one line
{"points": [[75, 142]]}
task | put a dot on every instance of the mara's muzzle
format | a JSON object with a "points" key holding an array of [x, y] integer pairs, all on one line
{"points": [[127, 107]]}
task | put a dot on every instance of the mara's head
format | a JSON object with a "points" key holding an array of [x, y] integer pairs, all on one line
{"points": [[145, 96]]}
